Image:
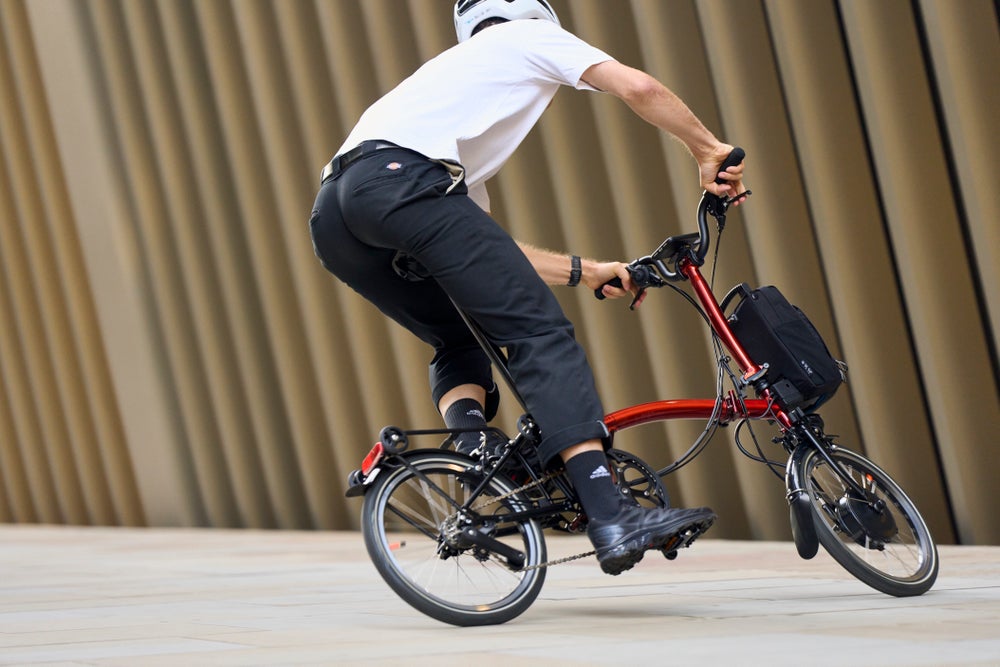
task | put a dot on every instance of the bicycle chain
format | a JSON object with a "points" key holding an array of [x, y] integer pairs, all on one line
{"points": [[558, 561], [529, 485]]}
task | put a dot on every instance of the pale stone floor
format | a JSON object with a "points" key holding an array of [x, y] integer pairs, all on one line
{"points": [[107, 596]]}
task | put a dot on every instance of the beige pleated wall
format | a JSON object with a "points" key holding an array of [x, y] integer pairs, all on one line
{"points": [[171, 353]]}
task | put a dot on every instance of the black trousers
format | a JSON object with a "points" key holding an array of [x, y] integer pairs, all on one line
{"points": [[397, 200]]}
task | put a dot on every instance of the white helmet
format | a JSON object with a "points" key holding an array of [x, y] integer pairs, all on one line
{"points": [[470, 13]]}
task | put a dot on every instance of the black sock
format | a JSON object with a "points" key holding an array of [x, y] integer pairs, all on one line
{"points": [[588, 471], [465, 413]]}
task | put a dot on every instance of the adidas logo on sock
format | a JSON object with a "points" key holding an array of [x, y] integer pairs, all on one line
{"points": [[600, 471]]}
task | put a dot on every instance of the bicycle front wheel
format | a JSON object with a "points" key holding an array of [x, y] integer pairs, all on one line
{"points": [[411, 527], [878, 535]]}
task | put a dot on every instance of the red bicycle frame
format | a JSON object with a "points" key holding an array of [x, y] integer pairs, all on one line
{"points": [[688, 408]]}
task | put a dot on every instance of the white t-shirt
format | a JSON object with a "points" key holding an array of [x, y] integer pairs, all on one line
{"points": [[476, 102]]}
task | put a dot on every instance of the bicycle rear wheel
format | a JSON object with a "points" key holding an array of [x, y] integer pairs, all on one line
{"points": [[878, 536], [415, 539]]}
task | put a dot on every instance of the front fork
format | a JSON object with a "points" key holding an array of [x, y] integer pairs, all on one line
{"points": [[809, 437]]}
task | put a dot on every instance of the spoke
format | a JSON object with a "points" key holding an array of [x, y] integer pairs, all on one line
{"points": [[499, 574], [460, 571], [435, 503], [421, 576], [398, 505], [426, 531], [900, 556], [908, 549]]}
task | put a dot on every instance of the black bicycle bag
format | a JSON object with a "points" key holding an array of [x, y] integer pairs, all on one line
{"points": [[801, 371]]}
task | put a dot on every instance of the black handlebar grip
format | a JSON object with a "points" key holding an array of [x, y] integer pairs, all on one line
{"points": [[614, 282], [733, 159]]}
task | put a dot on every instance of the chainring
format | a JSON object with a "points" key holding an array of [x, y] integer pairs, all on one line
{"points": [[634, 477]]}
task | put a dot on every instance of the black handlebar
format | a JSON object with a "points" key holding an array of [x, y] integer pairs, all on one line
{"points": [[734, 158], [614, 282], [693, 246], [715, 206], [642, 277]]}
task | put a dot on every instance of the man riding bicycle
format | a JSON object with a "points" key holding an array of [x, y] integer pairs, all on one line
{"points": [[402, 216]]}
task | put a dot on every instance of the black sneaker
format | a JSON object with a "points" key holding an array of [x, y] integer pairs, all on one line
{"points": [[622, 540], [490, 446], [480, 444]]}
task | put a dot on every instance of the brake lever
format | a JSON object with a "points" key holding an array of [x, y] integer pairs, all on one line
{"points": [[642, 276], [718, 207], [637, 298], [739, 197], [616, 282]]}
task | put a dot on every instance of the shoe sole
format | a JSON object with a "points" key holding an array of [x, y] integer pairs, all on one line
{"points": [[631, 548]]}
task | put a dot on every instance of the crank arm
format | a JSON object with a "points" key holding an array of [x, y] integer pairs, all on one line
{"points": [[470, 536]]}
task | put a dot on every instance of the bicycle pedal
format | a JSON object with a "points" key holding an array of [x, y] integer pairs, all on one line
{"points": [[693, 533], [683, 539], [672, 545]]}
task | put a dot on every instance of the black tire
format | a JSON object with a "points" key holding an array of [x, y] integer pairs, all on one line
{"points": [[404, 526], [880, 538]]}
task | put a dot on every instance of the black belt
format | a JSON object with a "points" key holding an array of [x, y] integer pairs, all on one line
{"points": [[341, 162]]}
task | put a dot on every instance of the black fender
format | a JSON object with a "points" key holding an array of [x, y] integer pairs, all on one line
{"points": [[800, 509]]}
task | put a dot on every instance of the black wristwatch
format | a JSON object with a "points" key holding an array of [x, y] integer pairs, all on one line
{"points": [[575, 272]]}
